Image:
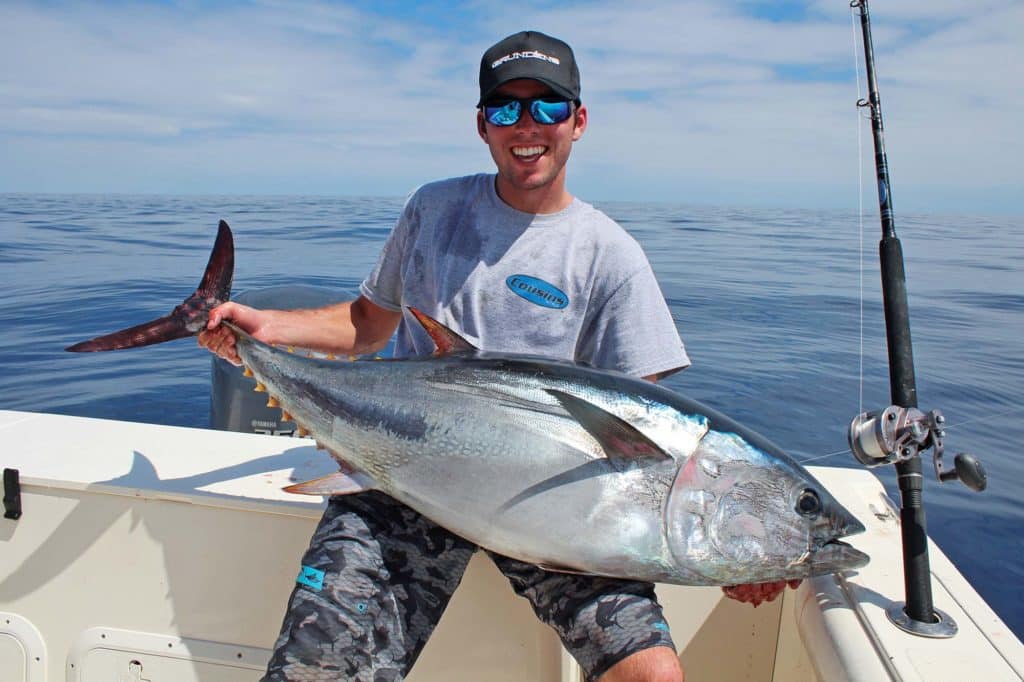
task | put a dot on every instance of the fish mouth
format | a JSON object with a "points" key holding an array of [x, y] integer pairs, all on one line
{"points": [[834, 556], [850, 526]]}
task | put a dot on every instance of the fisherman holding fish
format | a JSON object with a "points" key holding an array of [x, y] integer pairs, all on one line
{"points": [[515, 264]]}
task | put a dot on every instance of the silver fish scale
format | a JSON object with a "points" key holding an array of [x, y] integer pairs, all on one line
{"points": [[481, 446]]}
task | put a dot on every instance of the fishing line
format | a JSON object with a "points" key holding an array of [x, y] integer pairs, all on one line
{"points": [[948, 427], [986, 418], [860, 206], [860, 230], [819, 457]]}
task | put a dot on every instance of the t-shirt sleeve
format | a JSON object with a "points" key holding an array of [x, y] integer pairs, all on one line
{"points": [[383, 286], [633, 331]]}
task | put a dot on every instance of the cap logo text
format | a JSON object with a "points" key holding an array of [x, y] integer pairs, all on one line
{"points": [[528, 54]]}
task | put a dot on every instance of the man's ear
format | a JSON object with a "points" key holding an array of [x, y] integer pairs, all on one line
{"points": [[579, 123], [481, 126]]}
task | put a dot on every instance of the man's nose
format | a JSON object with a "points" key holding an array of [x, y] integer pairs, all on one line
{"points": [[526, 122]]}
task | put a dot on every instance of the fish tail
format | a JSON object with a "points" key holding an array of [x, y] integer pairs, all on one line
{"points": [[187, 319]]}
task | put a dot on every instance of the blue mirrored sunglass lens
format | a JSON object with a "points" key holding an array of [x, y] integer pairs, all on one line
{"points": [[504, 115], [545, 111]]}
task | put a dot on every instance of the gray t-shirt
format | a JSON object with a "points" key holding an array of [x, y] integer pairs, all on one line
{"points": [[570, 285]]}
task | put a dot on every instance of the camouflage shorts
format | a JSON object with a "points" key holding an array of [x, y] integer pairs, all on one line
{"points": [[377, 576]]}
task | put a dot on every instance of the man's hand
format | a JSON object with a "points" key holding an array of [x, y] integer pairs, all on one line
{"points": [[221, 340], [759, 592]]}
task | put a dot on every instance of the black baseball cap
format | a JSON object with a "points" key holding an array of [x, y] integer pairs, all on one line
{"points": [[530, 54]]}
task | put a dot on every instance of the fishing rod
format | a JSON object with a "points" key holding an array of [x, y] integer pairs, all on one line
{"points": [[899, 433]]}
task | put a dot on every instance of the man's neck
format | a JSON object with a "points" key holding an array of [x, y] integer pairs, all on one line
{"points": [[542, 200]]}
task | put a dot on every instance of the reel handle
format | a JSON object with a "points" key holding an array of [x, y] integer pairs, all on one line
{"points": [[968, 470]]}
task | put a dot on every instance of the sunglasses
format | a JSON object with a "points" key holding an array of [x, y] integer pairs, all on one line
{"points": [[543, 110]]}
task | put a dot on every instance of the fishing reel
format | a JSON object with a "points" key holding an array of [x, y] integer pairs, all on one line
{"points": [[897, 434]]}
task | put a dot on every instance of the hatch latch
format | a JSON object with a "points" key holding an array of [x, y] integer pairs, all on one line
{"points": [[12, 494]]}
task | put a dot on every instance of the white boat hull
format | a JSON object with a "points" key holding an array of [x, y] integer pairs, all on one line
{"points": [[167, 554]]}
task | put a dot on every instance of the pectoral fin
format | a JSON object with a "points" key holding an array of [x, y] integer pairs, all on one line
{"points": [[338, 483], [622, 442]]}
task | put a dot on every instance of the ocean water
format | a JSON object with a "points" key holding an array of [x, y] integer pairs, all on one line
{"points": [[769, 302]]}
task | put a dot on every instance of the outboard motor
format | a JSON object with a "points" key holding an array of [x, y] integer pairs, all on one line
{"points": [[234, 405]]}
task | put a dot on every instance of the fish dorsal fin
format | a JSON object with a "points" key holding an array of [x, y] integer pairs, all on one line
{"points": [[623, 444], [445, 339], [338, 483]]}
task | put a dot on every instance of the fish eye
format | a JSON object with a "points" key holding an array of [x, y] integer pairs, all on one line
{"points": [[808, 503]]}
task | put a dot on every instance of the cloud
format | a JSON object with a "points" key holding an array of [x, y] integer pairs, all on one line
{"points": [[690, 101]]}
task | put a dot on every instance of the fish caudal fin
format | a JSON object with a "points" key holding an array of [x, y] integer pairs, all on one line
{"points": [[187, 319], [220, 269]]}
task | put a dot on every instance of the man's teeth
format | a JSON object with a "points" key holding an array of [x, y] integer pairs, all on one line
{"points": [[527, 151]]}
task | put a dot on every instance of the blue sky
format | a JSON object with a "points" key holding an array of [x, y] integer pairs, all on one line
{"points": [[715, 101]]}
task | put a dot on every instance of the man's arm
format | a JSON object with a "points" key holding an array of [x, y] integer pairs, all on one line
{"points": [[350, 328]]}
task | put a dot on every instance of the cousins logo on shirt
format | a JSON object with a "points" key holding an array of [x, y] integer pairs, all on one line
{"points": [[537, 291]]}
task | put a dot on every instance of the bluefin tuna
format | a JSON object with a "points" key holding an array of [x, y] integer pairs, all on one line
{"points": [[561, 465]]}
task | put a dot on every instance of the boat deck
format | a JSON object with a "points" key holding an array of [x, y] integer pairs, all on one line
{"points": [[168, 553]]}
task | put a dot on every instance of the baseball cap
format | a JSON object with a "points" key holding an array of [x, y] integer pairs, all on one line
{"points": [[530, 54]]}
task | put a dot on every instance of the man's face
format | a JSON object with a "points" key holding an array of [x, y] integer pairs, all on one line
{"points": [[530, 156]]}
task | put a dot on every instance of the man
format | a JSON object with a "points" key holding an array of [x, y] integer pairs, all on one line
{"points": [[514, 263]]}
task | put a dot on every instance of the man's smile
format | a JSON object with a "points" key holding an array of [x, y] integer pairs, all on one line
{"points": [[528, 152]]}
